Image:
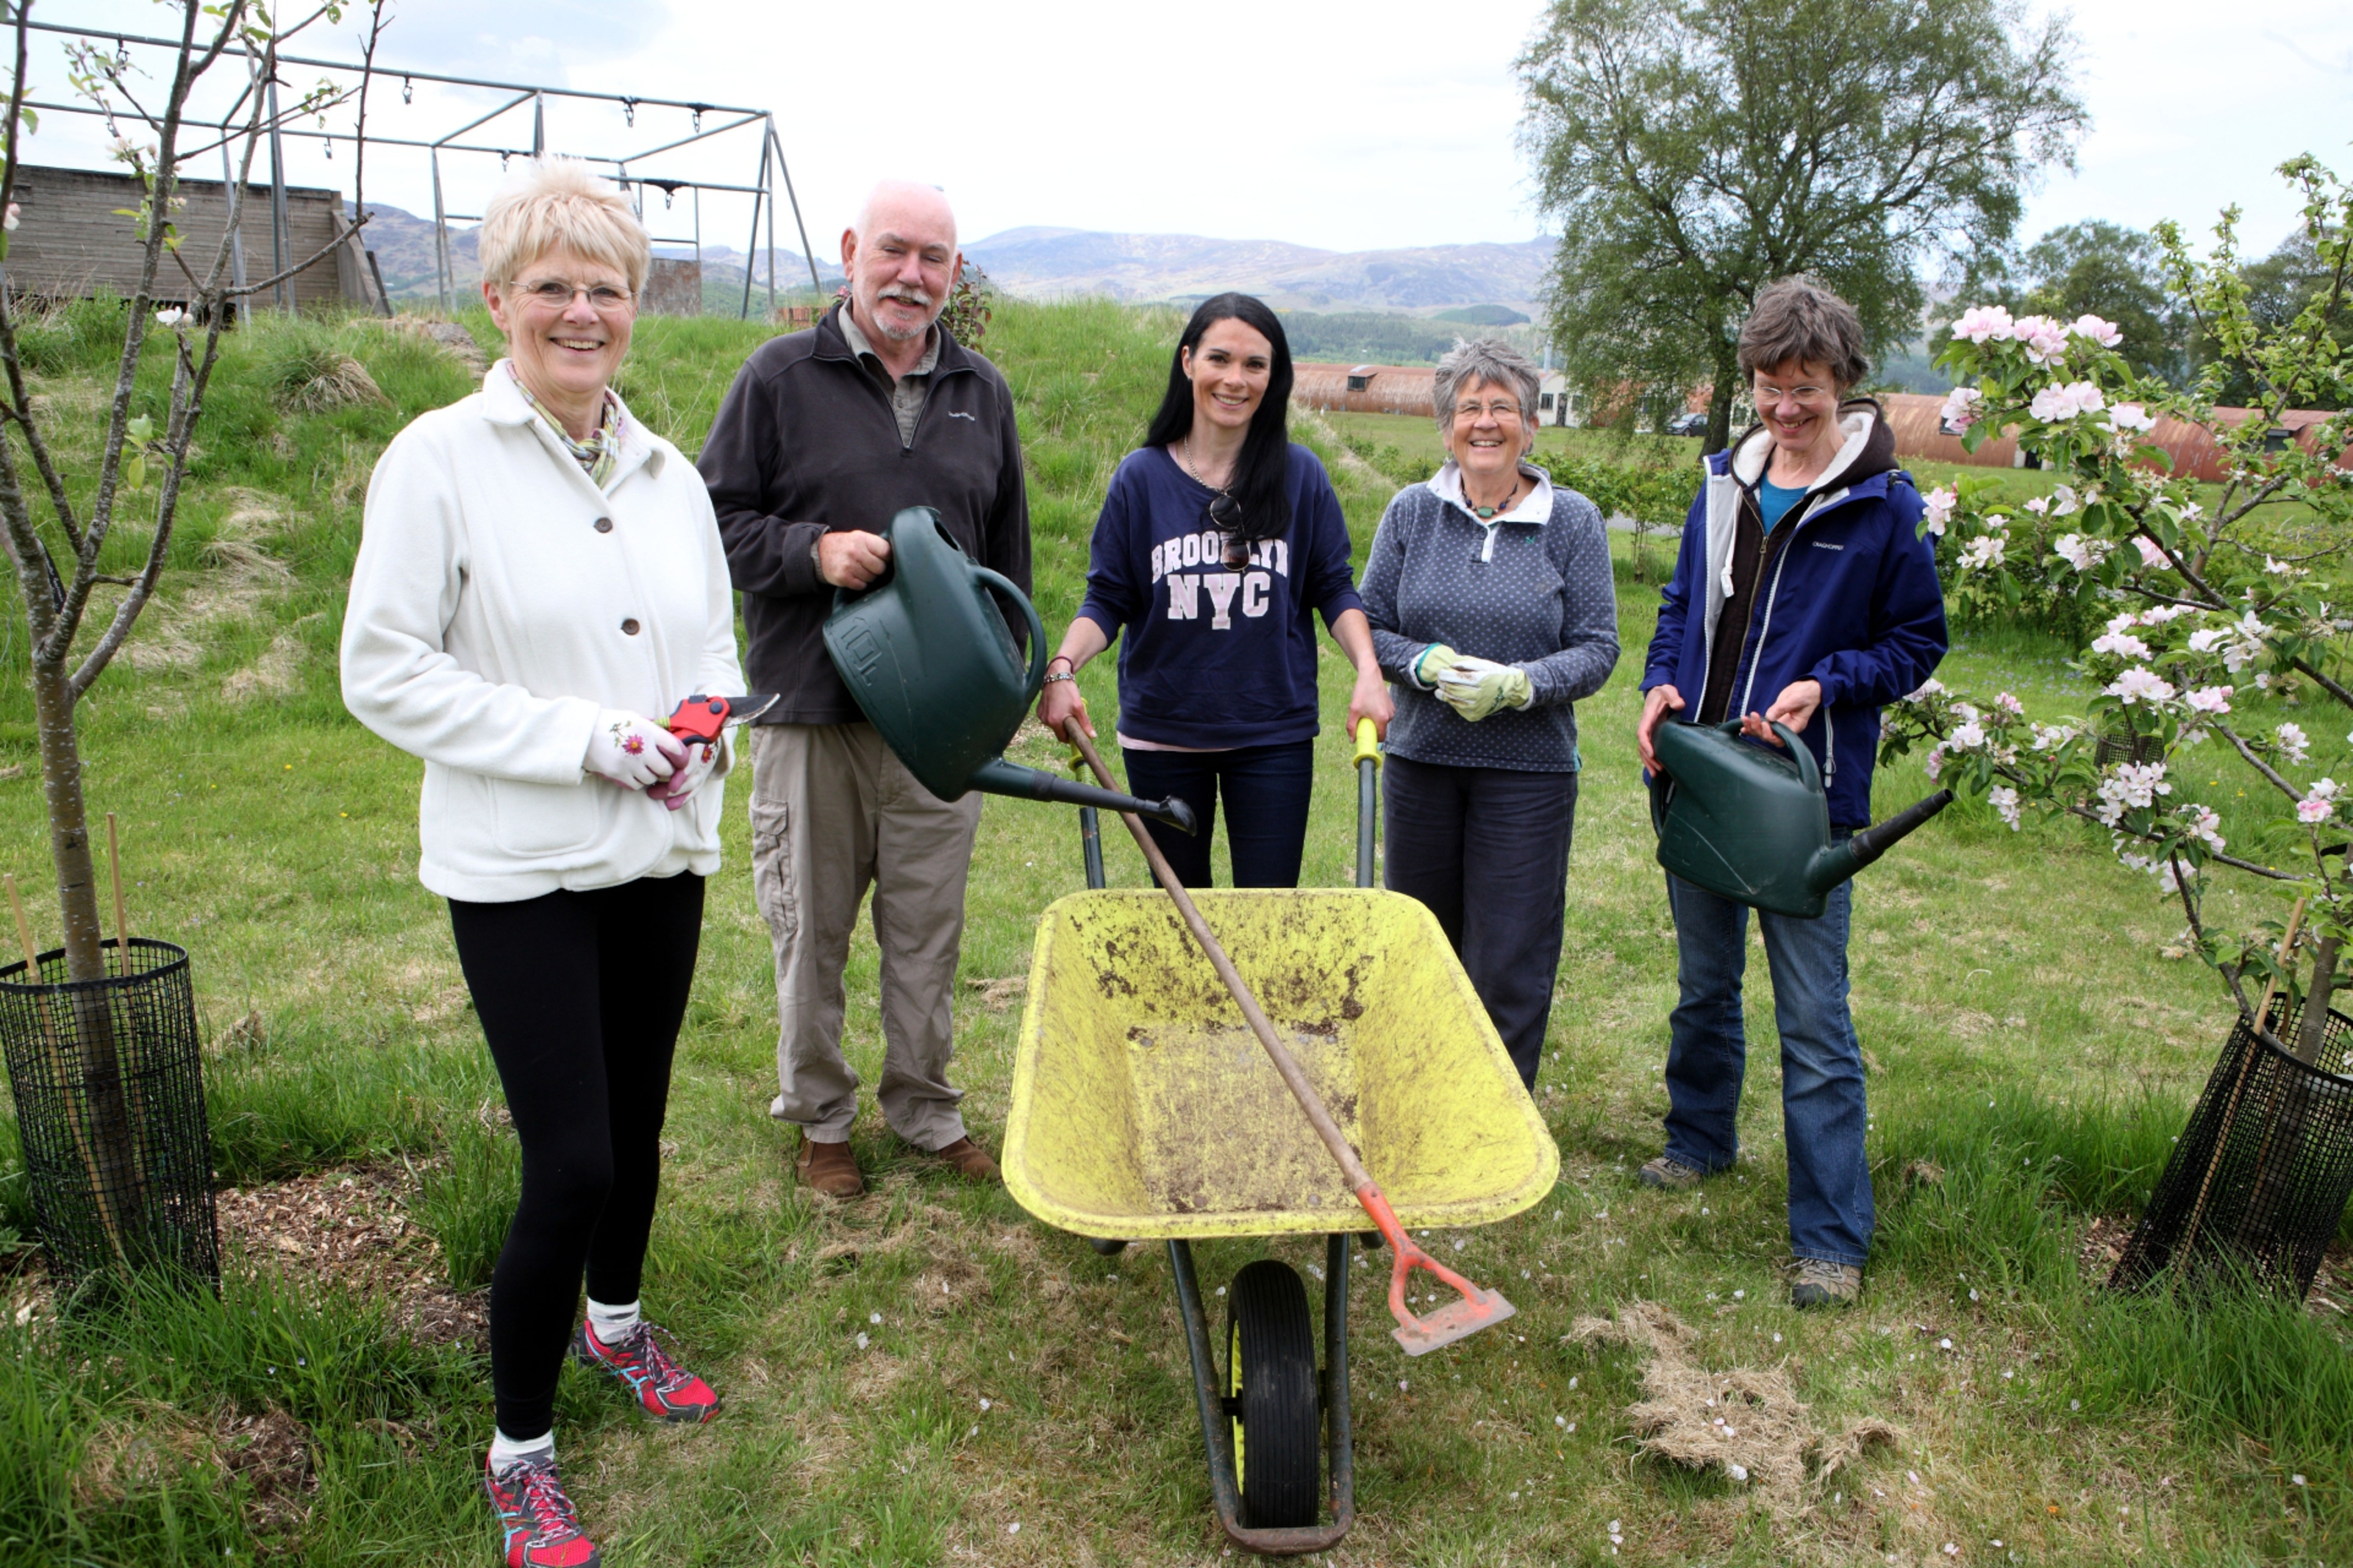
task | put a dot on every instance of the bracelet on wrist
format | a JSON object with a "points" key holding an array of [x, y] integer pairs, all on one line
{"points": [[1052, 677]]}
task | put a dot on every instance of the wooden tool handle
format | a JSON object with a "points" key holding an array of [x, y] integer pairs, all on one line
{"points": [[1285, 1063]]}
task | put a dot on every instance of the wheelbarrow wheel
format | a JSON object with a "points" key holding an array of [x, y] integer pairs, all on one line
{"points": [[1272, 1400]]}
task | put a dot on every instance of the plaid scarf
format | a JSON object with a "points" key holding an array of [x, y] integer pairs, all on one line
{"points": [[598, 455]]}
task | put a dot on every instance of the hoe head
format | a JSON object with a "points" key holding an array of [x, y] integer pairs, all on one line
{"points": [[1474, 1310]]}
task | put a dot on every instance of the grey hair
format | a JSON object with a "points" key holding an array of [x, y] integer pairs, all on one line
{"points": [[1468, 364]]}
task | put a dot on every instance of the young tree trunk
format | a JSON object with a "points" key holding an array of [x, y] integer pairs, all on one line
{"points": [[115, 1142], [2313, 1027], [1719, 403]]}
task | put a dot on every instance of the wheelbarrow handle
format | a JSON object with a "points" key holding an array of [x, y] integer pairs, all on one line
{"points": [[1368, 798]]}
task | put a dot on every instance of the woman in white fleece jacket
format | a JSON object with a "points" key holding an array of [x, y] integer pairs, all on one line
{"points": [[540, 580]]}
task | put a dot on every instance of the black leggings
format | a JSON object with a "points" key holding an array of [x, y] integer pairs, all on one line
{"points": [[580, 995]]}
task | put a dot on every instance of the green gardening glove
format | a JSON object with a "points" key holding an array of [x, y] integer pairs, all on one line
{"points": [[1475, 688], [1435, 660]]}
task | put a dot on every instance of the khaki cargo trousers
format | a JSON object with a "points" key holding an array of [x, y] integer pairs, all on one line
{"points": [[834, 811]]}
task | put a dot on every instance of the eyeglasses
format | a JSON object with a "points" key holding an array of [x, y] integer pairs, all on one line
{"points": [[1767, 397], [1227, 513], [556, 294], [1501, 408]]}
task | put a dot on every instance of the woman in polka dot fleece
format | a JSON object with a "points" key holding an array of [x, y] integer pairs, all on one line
{"points": [[1493, 611]]}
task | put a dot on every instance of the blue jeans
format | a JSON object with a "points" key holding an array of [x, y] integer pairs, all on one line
{"points": [[1822, 1112], [1486, 851], [1266, 790]]}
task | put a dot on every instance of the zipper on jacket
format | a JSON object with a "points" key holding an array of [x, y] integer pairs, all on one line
{"points": [[1830, 748]]}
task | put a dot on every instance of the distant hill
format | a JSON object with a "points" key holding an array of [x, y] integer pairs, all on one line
{"points": [[1046, 263], [403, 244]]}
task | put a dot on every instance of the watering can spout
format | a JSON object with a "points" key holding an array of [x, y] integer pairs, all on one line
{"points": [[1836, 864], [1001, 777]]}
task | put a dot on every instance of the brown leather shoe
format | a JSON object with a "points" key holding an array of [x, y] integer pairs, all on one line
{"points": [[829, 1168], [968, 1159]]}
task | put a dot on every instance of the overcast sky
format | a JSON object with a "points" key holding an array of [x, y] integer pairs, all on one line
{"points": [[1359, 125]]}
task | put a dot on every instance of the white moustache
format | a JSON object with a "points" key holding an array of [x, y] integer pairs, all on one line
{"points": [[915, 297]]}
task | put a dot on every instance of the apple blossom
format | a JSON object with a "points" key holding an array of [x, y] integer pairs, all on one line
{"points": [[2004, 799], [2151, 553], [1940, 503], [2126, 417], [1931, 687], [2292, 742], [1962, 405], [2079, 552], [170, 316], [1986, 550], [2139, 684], [2050, 737], [2009, 703], [2064, 501], [2130, 786], [2054, 403], [2045, 338], [2209, 700], [2123, 645], [2103, 333], [2158, 614], [2313, 810], [1968, 737], [2038, 505], [1981, 323]]}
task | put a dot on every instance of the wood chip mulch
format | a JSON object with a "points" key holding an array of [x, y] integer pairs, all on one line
{"points": [[352, 1227]]}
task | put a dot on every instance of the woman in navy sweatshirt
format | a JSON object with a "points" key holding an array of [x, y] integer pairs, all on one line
{"points": [[1217, 539]]}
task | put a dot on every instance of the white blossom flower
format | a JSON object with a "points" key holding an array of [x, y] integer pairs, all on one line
{"points": [[2130, 786], [2151, 553], [2130, 417], [2140, 684], [2004, 799], [2050, 737], [2009, 703], [2323, 789], [1931, 687], [2209, 700], [1933, 764], [1940, 503], [1985, 550], [2123, 645], [2079, 552], [2053, 405], [2103, 333], [1962, 407], [2158, 614], [171, 316], [2038, 505], [1969, 737], [2292, 744], [2064, 501], [2201, 823]]}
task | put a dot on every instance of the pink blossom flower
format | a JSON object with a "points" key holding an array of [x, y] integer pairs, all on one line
{"points": [[1931, 687], [2009, 703], [2123, 645], [2055, 404], [2140, 684], [1962, 407], [1981, 324], [2038, 505], [2150, 555], [2293, 743], [2004, 799], [2310, 810], [2045, 338], [2130, 417], [2079, 552], [1986, 550], [1969, 737], [2209, 700], [2103, 333]]}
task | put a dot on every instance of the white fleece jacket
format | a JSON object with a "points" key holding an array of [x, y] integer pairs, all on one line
{"points": [[498, 601]]}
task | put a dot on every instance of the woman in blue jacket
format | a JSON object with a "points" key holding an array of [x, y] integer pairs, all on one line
{"points": [[1217, 542], [1805, 590]]}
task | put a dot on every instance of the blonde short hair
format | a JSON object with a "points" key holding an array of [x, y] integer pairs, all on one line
{"points": [[557, 201]]}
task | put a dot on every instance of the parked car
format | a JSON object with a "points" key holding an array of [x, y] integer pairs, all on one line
{"points": [[1687, 425]]}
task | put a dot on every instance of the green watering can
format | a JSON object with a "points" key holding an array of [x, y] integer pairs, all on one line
{"points": [[1754, 826], [932, 666]]}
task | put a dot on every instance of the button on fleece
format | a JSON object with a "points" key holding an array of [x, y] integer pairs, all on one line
{"points": [[629, 627]]}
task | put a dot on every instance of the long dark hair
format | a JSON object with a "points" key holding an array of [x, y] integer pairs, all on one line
{"points": [[1260, 482]]}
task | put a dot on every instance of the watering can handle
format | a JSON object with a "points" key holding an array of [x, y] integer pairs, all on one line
{"points": [[1807, 769], [1004, 585]]}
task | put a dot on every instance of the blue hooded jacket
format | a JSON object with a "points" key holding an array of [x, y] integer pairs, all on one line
{"points": [[1843, 591]]}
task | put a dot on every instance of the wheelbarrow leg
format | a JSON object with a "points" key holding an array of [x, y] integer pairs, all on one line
{"points": [[1210, 1403]]}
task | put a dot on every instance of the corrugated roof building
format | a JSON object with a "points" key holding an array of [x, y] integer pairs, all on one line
{"points": [[1916, 417]]}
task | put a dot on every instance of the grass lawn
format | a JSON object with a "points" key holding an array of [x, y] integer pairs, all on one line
{"points": [[912, 1375]]}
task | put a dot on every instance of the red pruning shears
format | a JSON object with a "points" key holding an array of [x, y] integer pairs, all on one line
{"points": [[699, 719]]}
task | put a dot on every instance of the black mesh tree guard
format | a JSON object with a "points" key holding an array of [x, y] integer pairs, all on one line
{"points": [[2258, 1180], [108, 1076]]}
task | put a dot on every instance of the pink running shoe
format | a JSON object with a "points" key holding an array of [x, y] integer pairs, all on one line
{"points": [[541, 1529], [665, 1389]]}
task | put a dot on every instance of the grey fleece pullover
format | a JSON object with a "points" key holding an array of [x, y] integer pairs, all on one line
{"points": [[1540, 597]]}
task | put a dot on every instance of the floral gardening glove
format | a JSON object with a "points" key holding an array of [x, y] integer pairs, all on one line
{"points": [[700, 761], [631, 750], [1475, 688]]}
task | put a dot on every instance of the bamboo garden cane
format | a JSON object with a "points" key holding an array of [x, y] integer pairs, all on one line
{"points": [[1477, 1309], [122, 919]]}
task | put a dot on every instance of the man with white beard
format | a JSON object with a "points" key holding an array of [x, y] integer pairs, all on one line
{"points": [[825, 436]]}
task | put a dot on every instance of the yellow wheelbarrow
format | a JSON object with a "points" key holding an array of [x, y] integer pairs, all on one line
{"points": [[1144, 1108]]}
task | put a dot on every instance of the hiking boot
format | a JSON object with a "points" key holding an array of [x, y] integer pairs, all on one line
{"points": [[665, 1389], [1670, 1174], [829, 1168], [968, 1159], [542, 1528], [1819, 1282]]}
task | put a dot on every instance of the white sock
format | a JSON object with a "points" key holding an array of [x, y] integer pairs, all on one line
{"points": [[613, 1324], [506, 1451]]}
